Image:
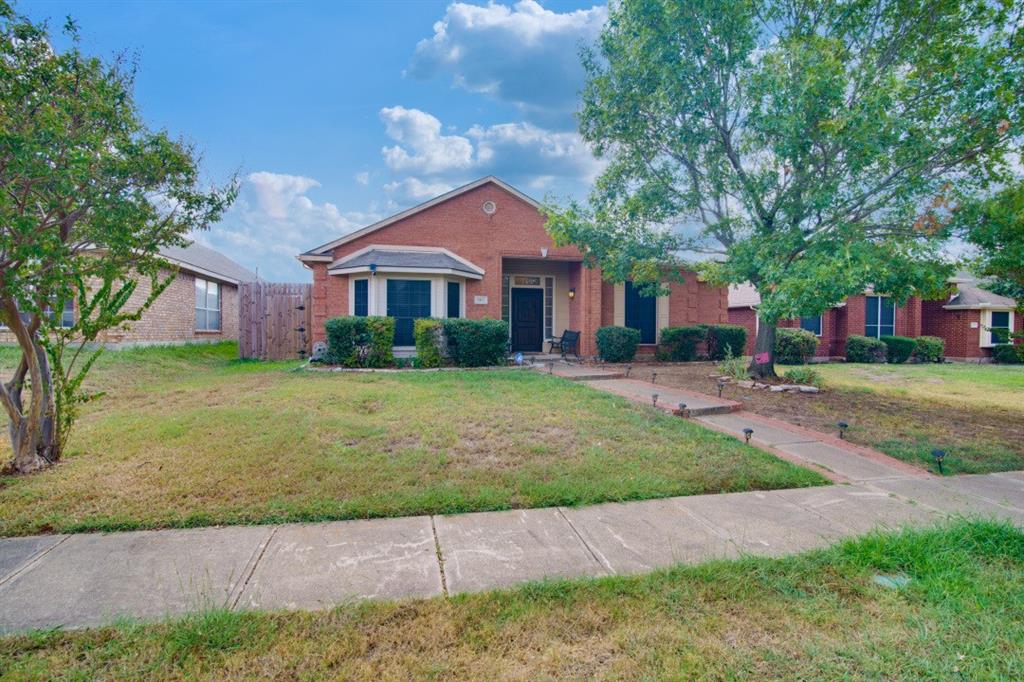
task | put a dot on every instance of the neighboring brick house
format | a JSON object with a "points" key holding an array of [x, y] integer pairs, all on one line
{"points": [[481, 251], [200, 305], [964, 320]]}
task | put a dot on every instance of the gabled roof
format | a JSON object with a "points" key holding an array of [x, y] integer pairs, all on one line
{"points": [[322, 252], [971, 295], [203, 260], [405, 259]]}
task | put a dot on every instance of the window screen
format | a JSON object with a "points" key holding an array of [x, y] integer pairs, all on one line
{"points": [[361, 305], [880, 317], [454, 300]]}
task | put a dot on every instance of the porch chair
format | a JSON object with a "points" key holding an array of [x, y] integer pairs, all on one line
{"points": [[567, 343]]}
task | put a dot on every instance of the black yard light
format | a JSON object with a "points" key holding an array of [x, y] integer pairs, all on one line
{"points": [[628, 368], [842, 429], [721, 385], [551, 368], [654, 377], [654, 399], [747, 433], [682, 407], [939, 455]]}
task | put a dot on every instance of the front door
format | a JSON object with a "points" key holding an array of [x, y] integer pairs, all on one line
{"points": [[527, 320]]}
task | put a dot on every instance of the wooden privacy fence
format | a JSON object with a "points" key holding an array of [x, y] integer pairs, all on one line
{"points": [[274, 320]]}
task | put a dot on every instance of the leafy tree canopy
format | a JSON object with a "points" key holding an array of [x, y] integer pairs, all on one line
{"points": [[811, 148], [88, 196]]}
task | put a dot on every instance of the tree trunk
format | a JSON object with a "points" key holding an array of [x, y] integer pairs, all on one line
{"points": [[762, 365], [35, 438]]}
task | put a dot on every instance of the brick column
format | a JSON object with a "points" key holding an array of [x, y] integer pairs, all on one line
{"points": [[589, 295]]}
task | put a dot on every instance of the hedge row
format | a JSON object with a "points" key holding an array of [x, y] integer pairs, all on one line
{"points": [[864, 349], [360, 341], [1008, 353], [794, 346], [617, 344], [367, 342], [898, 349]]}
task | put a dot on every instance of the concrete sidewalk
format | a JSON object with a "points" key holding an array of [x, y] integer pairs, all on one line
{"points": [[92, 579]]}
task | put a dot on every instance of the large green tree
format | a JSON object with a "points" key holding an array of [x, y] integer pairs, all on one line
{"points": [[995, 226], [88, 196], [809, 147]]}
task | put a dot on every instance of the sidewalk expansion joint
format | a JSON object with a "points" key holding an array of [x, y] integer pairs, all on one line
{"points": [[440, 557], [32, 561], [601, 563], [252, 570]]}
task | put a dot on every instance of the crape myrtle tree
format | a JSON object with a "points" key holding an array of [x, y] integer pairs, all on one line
{"points": [[88, 195], [808, 147]]}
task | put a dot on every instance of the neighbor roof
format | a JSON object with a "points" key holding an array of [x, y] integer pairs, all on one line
{"points": [[322, 252], [203, 260], [970, 294], [382, 258], [743, 296]]}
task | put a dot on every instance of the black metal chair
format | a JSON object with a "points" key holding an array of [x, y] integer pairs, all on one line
{"points": [[568, 344]]}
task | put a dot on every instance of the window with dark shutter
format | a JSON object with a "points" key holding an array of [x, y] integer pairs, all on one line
{"points": [[362, 298], [454, 300]]}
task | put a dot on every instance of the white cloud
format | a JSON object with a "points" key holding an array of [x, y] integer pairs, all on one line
{"points": [[519, 152], [273, 220], [363, 178], [422, 148], [525, 54], [414, 189]]}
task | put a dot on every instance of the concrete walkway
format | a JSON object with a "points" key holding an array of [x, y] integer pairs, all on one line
{"points": [[92, 579]]}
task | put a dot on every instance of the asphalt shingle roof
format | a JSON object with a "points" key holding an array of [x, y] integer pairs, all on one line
{"points": [[425, 260], [205, 258], [971, 294]]}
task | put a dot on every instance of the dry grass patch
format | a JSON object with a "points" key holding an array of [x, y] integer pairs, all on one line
{"points": [[190, 437], [817, 616], [973, 412]]}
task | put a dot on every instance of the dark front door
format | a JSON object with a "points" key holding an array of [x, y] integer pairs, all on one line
{"points": [[642, 313], [527, 320]]}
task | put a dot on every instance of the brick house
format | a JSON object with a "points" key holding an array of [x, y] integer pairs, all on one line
{"points": [[200, 305], [481, 251], [964, 321]]}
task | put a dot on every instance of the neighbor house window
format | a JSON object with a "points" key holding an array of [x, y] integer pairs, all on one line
{"points": [[880, 317], [454, 299], [408, 300], [207, 306], [1000, 324], [642, 313], [811, 324], [361, 301], [67, 315]]}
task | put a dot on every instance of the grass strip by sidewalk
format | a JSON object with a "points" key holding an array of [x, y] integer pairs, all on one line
{"points": [[819, 615]]}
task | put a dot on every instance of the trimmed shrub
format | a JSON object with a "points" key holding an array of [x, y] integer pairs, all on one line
{"points": [[803, 375], [864, 349], [929, 348], [1008, 354], [429, 336], [679, 344], [382, 337], [723, 339], [794, 346], [360, 341], [476, 343], [898, 349], [617, 344]]}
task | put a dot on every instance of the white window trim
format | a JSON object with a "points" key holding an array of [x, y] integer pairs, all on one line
{"points": [[219, 309], [821, 323], [986, 325]]}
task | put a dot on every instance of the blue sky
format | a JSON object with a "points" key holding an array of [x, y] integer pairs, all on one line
{"points": [[337, 114]]}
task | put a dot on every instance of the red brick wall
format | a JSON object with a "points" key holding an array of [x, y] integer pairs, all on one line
{"points": [[515, 230], [694, 302], [745, 317], [171, 318]]}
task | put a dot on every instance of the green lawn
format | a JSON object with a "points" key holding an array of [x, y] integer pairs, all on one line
{"points": [[191, 436], [818, 616]]}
